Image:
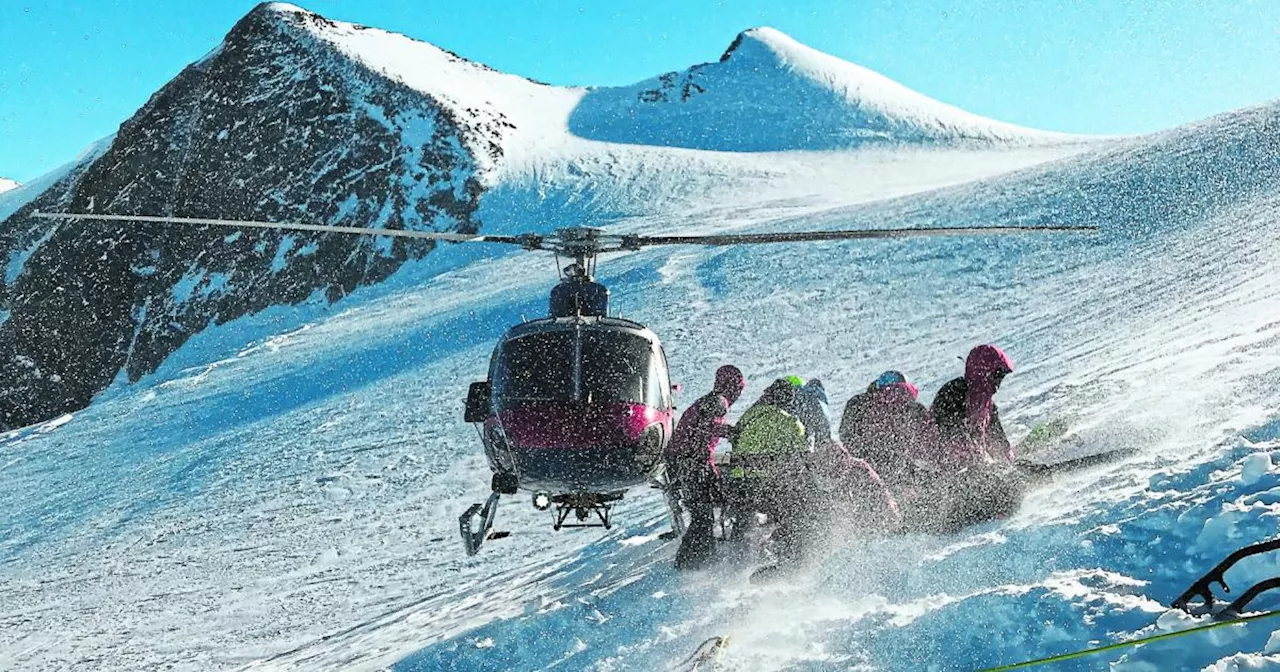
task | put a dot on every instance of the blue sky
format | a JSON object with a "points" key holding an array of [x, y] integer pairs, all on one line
{"points": [[71, 71]]}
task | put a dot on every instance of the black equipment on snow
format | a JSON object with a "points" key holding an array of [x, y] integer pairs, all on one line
{"points": [[1203, 586]]}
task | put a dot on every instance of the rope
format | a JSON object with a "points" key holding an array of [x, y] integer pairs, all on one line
{"points": [[1132, 642]]}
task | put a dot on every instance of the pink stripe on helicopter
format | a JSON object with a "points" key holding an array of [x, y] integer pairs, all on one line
{"points": [[585, 426]]}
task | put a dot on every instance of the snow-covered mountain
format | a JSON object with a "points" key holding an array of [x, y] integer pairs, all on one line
{"points": [[7, 184], [769, 92], [297, 117], [272, 124]]}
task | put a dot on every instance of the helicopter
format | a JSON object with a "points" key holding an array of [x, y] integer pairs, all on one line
{"points": [[577, 406]]}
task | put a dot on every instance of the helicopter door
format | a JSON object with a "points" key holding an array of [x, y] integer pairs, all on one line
{"points": [[661, 376], [478, 402]]}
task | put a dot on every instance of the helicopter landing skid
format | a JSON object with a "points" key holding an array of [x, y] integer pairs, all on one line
{"points": [[582, 505], [472, 538]]}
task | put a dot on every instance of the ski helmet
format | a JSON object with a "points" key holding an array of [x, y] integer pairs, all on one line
{"points": [[729, 382], [889, 378]]}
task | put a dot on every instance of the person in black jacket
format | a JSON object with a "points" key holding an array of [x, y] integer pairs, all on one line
{"points": [[691, 461], [965, 412]]}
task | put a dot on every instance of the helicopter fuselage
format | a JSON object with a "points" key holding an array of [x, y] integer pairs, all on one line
{"points": [[578, 405]]}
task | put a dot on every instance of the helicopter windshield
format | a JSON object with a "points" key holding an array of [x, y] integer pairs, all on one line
{"points": [[536, 368], [614, 367], [618, 367]]}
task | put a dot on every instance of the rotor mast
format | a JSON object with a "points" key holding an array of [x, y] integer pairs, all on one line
{"points": [[583, 244], [578, 294]]}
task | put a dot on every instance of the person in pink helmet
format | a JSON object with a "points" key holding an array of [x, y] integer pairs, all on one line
{"points": [[887, 427], [691, 463], [965, 412]]}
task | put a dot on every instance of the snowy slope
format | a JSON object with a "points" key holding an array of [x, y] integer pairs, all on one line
{"points": [[291, 502], [554, 167], [7, 184]]}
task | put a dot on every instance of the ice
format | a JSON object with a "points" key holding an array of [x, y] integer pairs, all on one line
{"points": [[1254, 468]]}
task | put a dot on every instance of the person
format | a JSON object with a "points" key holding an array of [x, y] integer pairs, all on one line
{"points": [[965, 413], [868, 501], [972, 459], [578, 293], [786, 464], [887, 427], [691, 463], [768, 469], [771, 441], [811, 410]]}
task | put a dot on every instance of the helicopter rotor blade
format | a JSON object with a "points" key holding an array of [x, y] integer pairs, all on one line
{"points": [[592, 244], [636, 242], [527, 241]]}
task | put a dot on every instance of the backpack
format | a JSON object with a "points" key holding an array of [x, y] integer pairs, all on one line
{"points": [[769, 440]]}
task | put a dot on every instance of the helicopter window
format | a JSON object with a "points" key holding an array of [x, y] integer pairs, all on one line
{"points": [[659, 380], [537, 367], [617, 367]]}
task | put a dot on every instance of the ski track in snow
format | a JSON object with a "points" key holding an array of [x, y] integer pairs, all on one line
{"points": [[283, 494]]}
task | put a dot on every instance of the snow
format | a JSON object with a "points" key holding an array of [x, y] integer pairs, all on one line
{"points": [[298, 510], [1255, 467], [769, 93], [281, 260], [283, 492], [13, 199], [186, 286], [7, 184], [563, 137], [18, 258]]}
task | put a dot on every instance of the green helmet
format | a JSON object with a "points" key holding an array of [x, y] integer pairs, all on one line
{"points": [[796, 381]]}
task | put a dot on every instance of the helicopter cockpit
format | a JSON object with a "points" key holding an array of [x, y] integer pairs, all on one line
{"points": [[604, 361]]}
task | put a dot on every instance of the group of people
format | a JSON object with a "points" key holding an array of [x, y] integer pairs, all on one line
{"points": [[892, 455]]}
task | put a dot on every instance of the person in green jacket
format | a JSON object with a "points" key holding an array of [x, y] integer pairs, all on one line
{"points": [[769, 469]]}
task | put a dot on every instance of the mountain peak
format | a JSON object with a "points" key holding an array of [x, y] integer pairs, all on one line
{"points": [[275, 16], [769, 92], [761, 39], [7, 184], [278, 8]]}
